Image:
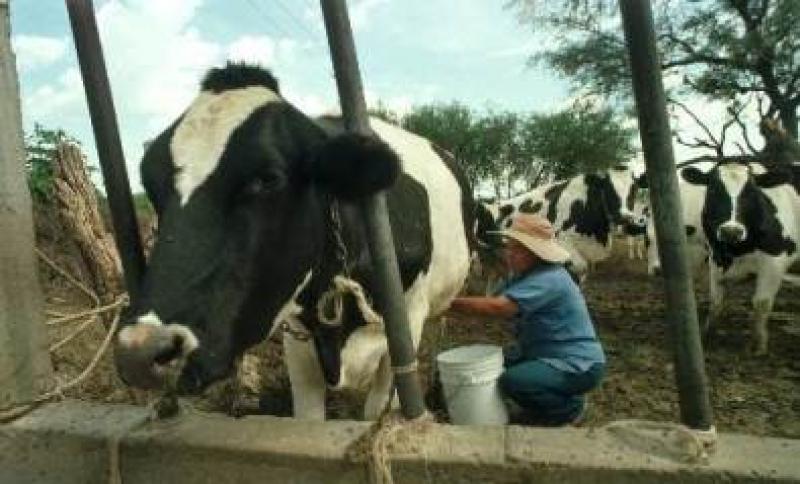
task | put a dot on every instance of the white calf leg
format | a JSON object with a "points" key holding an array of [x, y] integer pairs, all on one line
{"points": [[767, 285], [305, 377], [640, 248], [631, 248], [716, 294]]}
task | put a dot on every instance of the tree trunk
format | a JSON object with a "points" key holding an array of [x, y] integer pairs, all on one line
{"points": [[76, 202], [789, 121]]}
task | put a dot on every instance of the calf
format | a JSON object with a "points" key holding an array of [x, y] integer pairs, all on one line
{"points": [[259, 229], [636, 232], [751, 219], [584, 211]]}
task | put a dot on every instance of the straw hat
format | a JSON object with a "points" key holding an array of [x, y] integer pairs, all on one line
{"points": [[537, 235]]}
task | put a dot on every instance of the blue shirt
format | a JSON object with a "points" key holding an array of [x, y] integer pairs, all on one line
{"points": [[553, 322]]}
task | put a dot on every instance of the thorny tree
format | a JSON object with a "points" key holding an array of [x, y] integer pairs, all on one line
{"points": [[722, 49]]}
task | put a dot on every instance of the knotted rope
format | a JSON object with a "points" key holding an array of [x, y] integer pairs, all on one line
{"points": [[390, 434], [330, 306]]}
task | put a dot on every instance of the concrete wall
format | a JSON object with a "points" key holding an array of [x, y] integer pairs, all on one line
{"points": [[82, 443]]}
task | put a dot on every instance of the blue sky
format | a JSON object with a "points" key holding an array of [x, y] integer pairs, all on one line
{"points": [[411, 52]]}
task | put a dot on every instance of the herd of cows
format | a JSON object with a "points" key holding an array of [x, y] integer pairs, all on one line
{"points": [[741, 219], [258, 231]]}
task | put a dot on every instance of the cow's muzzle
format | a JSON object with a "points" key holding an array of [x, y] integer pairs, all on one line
{"points": [[150, 356], [731, 233]]}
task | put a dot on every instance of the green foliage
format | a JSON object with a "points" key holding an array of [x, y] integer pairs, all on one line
{"points": [[487, 147], [40, 149], [579, 140], [448, 125], [722, 49], [511, 152]]}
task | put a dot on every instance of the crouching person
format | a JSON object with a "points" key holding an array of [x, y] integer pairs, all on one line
{"points": [[557, 357]]}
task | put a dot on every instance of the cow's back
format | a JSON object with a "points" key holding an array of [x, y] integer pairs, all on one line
{"points": [[449, 261]]}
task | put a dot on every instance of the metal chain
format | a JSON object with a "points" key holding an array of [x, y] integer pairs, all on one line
{"points": [[341, 256], [341, 248]]}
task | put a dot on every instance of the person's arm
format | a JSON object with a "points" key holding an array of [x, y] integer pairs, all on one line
{"points": [[500, 306]]}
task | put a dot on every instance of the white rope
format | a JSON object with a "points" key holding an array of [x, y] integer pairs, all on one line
{"points": [[18, 411], [334, 299], [390, 434]]}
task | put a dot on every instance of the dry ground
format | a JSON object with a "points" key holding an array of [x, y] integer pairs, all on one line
{"points": [[753, 395]]}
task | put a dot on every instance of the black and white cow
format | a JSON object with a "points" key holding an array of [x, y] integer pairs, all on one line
{"points": [[584, 210], [692, 201], [751, 219], [252, 198]]}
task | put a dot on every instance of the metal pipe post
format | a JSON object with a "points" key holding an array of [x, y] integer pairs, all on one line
{"points": [[109, 148], [389, 290], [25, 369], [665, 200]]}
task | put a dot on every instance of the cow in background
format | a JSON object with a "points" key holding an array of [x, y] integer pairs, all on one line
{"points": [[259, 230], [692, 200], [751, 220], [584, 210]]}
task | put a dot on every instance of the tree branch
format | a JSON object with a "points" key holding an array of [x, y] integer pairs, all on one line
{"points": [[713, 144]]}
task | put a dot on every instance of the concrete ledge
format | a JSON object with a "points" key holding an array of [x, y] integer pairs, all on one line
{"points": [[68, 442], [74, 442], [207, 448]]}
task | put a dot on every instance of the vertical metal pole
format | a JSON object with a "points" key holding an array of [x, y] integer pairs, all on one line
{"points": [[106, 134], [654, 130], [25, 368], [389, 290]]}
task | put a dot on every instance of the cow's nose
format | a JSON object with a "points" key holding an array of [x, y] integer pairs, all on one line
{"points": [[145, 353], [731, 233]]}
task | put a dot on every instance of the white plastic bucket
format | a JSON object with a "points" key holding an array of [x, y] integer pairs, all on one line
{"points": [[469, 379]]}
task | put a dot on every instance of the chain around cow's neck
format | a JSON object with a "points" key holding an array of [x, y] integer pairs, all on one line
{"points": [[340, 248]]}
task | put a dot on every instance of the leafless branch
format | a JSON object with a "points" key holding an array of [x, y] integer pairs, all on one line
{"points": [[741, 148], [712, 142]]}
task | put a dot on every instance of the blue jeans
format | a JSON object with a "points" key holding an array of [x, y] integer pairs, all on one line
{"points": [[548, 395]]}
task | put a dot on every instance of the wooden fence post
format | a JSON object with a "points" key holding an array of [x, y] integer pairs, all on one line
{"points": [[25, 369], [681, 314]]}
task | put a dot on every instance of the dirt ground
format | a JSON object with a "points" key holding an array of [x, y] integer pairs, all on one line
{"points": [[752, 395]]}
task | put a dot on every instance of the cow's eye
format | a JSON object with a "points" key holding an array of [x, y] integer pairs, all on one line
{"points": [[259, 187]]}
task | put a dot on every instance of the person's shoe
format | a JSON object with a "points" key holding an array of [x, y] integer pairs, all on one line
{"points": [[582, 417]]}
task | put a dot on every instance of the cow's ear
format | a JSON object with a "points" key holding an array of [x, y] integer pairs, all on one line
{"points": [[694, 176], [771, 179], [353, 166]]}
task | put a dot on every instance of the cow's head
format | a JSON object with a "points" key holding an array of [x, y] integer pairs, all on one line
{"points": [[736, 211], [241, 183], [616, 190]]}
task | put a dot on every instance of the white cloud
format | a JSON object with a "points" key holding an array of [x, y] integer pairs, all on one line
{"points": [[361, 12], [155, 57], [263, 50], [34, 51], [51, 100]]}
